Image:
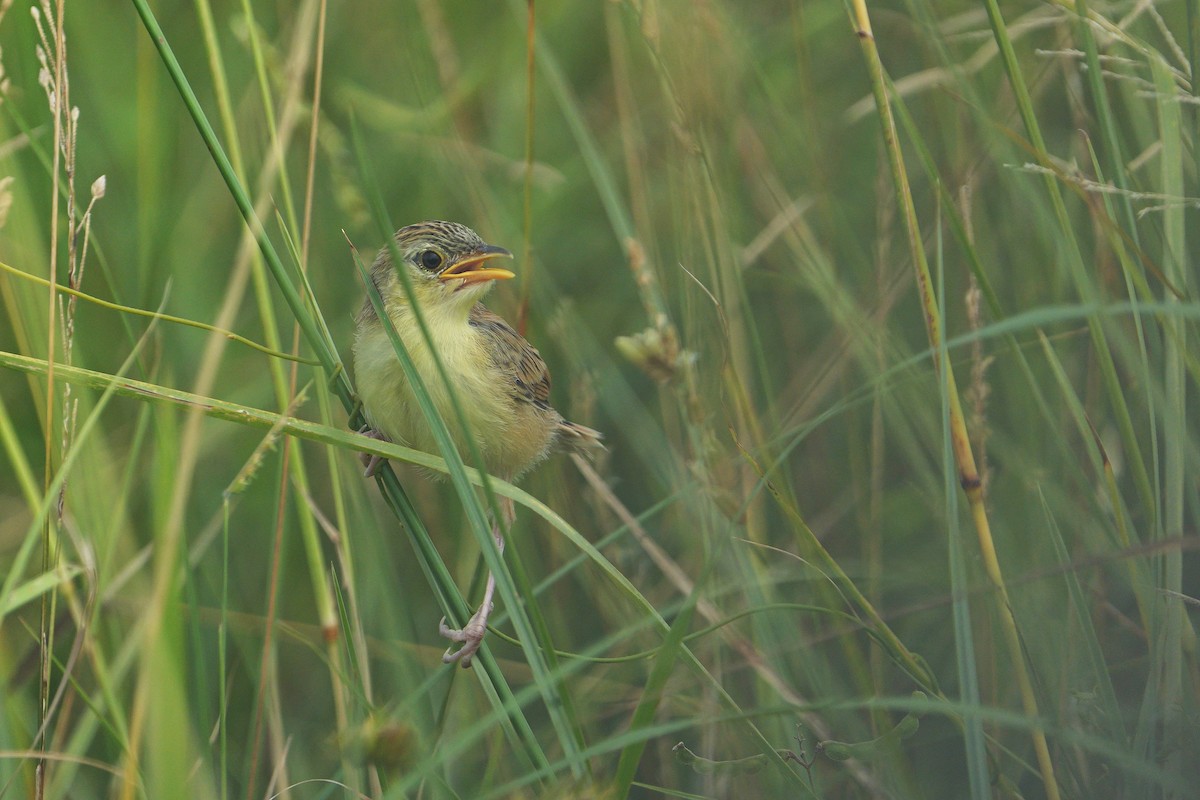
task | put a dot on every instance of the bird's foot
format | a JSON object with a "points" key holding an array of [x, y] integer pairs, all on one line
{"points": [[369, 461], [470, 635]]}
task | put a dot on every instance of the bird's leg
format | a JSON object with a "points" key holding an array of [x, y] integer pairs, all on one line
{"points": [[371, 462], [471, 635]]}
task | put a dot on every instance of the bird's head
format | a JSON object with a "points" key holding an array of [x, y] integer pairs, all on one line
{"points": [[447, 264]]}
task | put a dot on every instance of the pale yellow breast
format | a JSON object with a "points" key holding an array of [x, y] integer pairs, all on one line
{"points": [[511, 435]]}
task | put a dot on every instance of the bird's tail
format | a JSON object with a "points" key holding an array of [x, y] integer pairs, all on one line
{"points": [[580, 438]]}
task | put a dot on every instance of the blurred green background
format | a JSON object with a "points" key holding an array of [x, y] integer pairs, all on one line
{"points": [[221, 610]]}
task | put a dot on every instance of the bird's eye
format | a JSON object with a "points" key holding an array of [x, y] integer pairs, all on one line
{"points": [[430, 259]]}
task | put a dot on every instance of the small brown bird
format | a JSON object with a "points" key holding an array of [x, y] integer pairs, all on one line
{"points": [[500, 380]]}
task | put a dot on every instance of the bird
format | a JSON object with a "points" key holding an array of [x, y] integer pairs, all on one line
{"points": [[500, 380]]}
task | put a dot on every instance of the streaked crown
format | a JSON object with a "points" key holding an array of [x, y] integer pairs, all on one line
{"points": [[451, 239]]}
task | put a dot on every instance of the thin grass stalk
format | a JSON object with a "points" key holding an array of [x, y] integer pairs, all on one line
{"points": [[580, 767], [1136, 287], [279, 133], [220, 84], [22, 472], [1112, 383], [65, 123], [968, 473], [149, 185], [1142, 585], [964, 644], [274, 164], [1193, 23], [267, 676], [872, 515], [222, 655], [1135, 280], [341, 694], [308, 528], [1140, 582], [59, 56], [107, 706], [1174, 418], [633, 142], [660, 673], [314, 123], [1091, 641], [49, 551], [606, 186], [1110, 136], [527, 183], [41, 517], [268, 103]]}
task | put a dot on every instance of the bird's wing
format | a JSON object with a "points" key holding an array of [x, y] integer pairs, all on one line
{"points": [[513, 356]]}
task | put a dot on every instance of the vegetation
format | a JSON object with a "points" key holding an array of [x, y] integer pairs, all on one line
{"points": [[888, 316]]}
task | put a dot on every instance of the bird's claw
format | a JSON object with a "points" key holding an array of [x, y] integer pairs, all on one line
{"points": [[470, 636], [370, 461]]}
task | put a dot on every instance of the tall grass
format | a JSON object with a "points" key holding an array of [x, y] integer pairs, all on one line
{"points": [[889, 319]]}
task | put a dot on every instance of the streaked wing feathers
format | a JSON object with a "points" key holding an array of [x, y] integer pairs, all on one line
{"points": [[514, 356]]}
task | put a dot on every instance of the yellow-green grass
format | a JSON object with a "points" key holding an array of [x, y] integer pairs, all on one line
{"points": [[888, 315]]}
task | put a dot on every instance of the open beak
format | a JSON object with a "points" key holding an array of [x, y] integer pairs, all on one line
{"points": [[472, 270]]}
